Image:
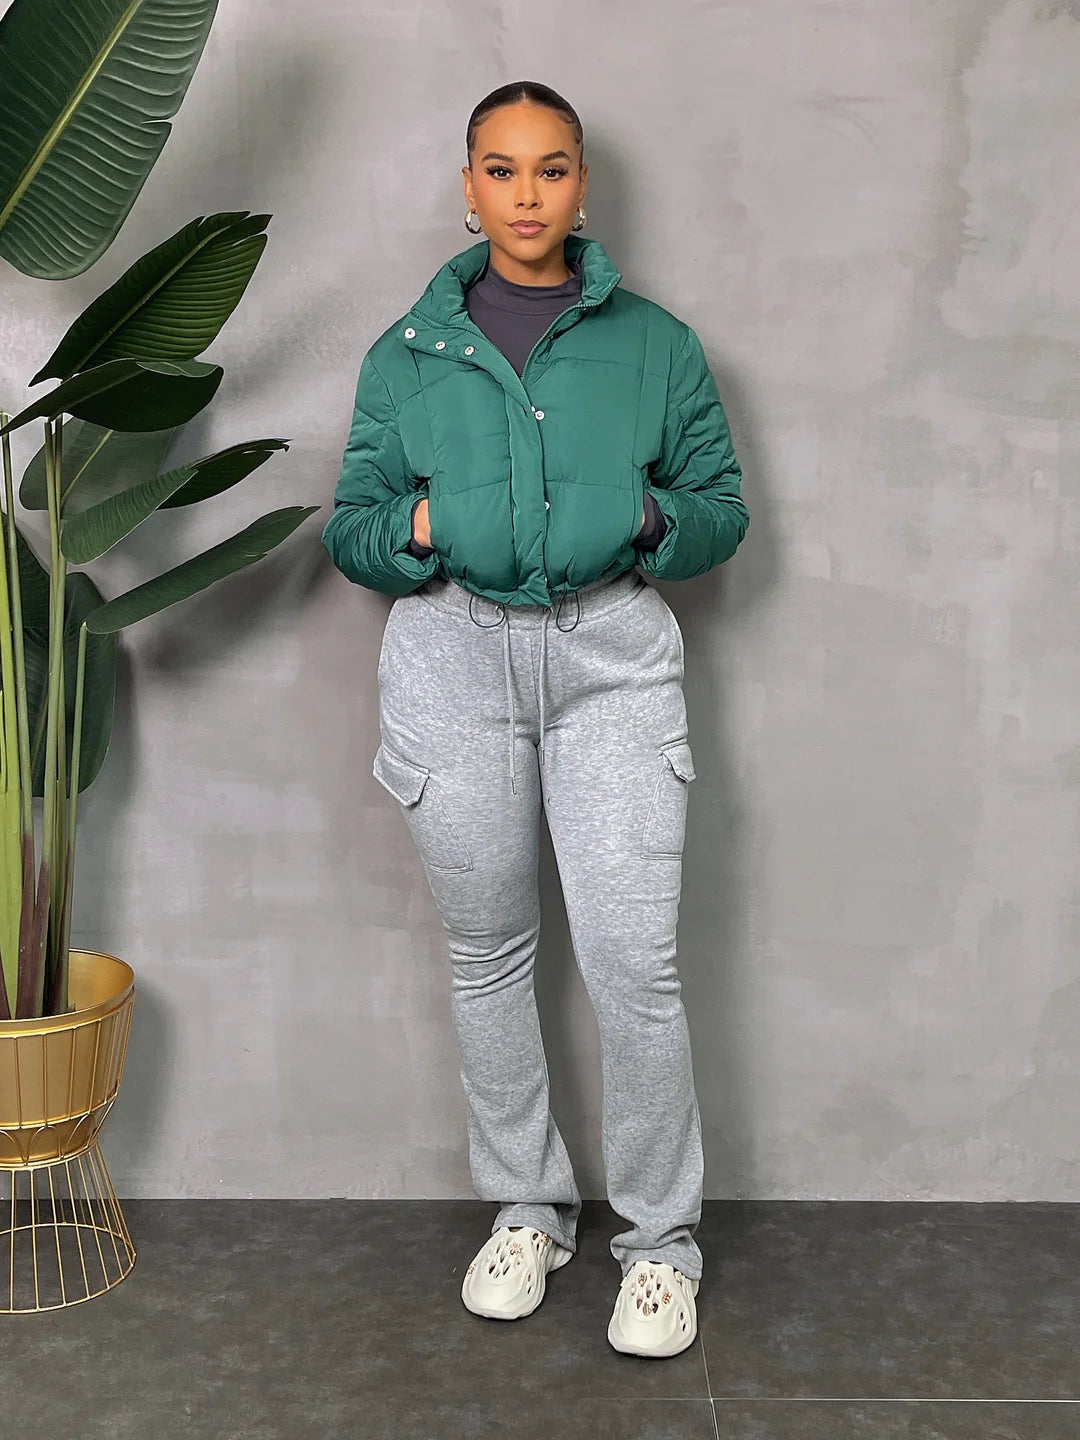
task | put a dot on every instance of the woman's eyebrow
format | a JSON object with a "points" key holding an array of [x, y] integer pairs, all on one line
{"points": [[498, 155]]}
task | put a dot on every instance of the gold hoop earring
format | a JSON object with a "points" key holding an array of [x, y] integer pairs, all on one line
{"points": [[581, 223], [468, 227]]}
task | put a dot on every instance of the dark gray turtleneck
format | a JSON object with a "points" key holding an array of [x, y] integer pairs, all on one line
{"points": [[513, 317]]}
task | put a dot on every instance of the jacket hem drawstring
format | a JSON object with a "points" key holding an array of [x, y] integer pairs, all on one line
{"points": [[504, 621]]}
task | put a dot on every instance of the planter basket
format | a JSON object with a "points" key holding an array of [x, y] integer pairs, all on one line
{"points": [[63, 1237]]}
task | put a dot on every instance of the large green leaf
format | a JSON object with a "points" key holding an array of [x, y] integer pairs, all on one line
{"points": [[225, 468], [102, 526], [81, 597], [88, 88], [96, 463], [129, 395], [98, 529], [170, 304], [201, 571]]}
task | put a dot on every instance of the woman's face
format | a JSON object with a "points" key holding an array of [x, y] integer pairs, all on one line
{"points": [[525, 168]]}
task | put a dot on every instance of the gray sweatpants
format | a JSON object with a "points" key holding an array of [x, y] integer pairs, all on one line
{"points": [[486, 712]]}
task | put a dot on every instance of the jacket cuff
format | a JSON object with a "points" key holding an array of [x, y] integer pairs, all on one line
{"points": [[421, 552], [655, 525]]}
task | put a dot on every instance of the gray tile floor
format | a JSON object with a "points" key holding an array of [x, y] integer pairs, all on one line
{"points": [[818, 1320]]}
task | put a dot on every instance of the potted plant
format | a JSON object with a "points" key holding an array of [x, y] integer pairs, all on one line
{"points": [[84, 113]]}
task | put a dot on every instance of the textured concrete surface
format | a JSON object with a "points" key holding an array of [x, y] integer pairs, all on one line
{"points": [[271, 1320], [870, 214]]}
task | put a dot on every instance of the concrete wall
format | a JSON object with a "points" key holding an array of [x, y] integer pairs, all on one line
{"points": [[871, 214]]}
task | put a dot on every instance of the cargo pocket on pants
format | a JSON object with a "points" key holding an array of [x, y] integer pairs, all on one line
{"points": [[434, 833], [665, 823]]}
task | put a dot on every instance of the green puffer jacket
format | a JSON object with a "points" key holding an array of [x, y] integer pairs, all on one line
{"points": [[536, 483]]}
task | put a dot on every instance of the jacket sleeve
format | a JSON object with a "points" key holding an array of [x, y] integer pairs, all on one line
{"points": [[368, 533], [696, 479]]}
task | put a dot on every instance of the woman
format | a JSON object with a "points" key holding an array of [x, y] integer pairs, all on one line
{"points": [[523, 438]]}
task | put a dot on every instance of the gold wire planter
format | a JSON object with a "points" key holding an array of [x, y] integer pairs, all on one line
{"points": [[63, 1237]]}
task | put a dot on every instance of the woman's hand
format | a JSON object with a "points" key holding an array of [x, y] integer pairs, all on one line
{"points": [[421, 524]]}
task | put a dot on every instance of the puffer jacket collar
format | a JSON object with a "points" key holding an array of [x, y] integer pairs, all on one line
{"points": [[443, 301], [436, 323]]}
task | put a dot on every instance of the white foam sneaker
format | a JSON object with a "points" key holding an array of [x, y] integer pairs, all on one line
{"points": [[655, 1312], [507, 1279]]}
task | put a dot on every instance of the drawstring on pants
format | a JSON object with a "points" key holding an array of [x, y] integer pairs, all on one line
{"points": [[504, 621]]}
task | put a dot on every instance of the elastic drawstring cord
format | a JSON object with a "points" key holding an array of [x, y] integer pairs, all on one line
{"points": [[543, 651], [504, 621]]}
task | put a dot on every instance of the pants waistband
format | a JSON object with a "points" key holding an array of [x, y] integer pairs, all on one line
{"points": [[565, 611]]}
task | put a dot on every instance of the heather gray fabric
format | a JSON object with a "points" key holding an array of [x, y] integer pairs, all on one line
{"points": [[487, 712]]}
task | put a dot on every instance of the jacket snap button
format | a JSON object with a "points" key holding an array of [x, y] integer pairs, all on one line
{"points": [[440, 344], [547, 504], [539, 414], [409, 333], [468, 349]]}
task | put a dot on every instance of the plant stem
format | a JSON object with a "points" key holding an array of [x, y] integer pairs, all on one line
{"points": [[69, 859], [17, 786], [56, 707]]}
